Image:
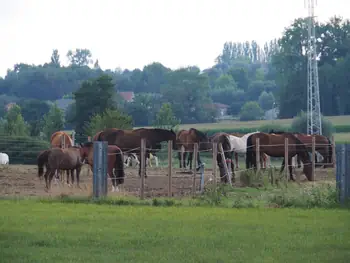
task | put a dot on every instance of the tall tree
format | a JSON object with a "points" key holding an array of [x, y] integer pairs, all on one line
{"points": [[80, 57], [55, 58]]}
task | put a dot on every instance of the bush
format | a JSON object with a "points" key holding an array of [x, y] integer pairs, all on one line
{"points": [[299, 124], [251, 111], [22, 149]]}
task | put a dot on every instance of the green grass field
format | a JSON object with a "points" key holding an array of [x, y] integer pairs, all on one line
{"points": [[31, 231]]}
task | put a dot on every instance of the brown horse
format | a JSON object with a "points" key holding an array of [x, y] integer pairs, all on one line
{"points": [[63, 159], [223, 138], [273, 145], [187, 139], [42, 160], [115, 162], [126, 140]]}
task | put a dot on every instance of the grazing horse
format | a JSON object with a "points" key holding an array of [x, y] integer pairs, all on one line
{"points": [[273, 145], [43, 159], [61, 139], [126, 140], [187, 139], [63, 159], [131, 159], [115, 162], [239, 145], [224, 139], [4, 158]]}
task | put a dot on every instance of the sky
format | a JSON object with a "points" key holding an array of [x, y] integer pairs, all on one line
{"points": [[133, 33]]}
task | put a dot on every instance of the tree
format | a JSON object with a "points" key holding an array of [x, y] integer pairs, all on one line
{"points": [[266, 100], [14, 124], [53, 121], [55, 58], [108, 119], [299, 124], [33, 112], [80, 57], [94, 97], [251, 111], [165, 118]]}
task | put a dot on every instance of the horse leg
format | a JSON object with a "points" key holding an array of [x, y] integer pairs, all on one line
{"points": [[46, 176], [298, 161], [51, 175], [189, 161], [78, 175], [179, 157], [72, 175], [236, 158], [282, 166], [290, 168]]}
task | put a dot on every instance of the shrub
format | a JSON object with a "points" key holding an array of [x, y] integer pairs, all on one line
{"points": [[299, 124], [251, 111]]}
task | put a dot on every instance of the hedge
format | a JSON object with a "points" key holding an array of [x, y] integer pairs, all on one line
{"points": [[21, 149]]}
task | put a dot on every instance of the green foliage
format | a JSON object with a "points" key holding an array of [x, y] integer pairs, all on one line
{"points": [[53, 121], [251, 111], [266, 100], [14, 124], [22, 149], [108, 119], [299, 124], [165, 118]]}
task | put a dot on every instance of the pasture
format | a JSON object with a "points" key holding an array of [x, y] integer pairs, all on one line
{"points": [[34, 231]]}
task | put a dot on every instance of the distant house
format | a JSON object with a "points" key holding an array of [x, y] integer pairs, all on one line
{"points": [[221, 109], [128, 96], [8, 106]]}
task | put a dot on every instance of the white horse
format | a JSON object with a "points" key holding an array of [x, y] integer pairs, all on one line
{"points": [[4, 158], [149, 160], [239, 145], [131, 160]]}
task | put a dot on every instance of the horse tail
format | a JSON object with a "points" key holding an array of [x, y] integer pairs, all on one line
{"points": [[330, 151], [41, 161], [119, 166], [249, 154]]}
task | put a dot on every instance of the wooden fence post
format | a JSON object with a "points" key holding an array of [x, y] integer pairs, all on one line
{"points": [[73, 137], [214, 168], [194, 168], [143, 168], [63, 142], [223, 159], [100, 169], [334, 155], [182, 157], [313, 155], [286, 156], [170, 168], [257, 155]]}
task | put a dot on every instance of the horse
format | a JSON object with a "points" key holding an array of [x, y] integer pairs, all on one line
{"points": [[187, 139], [115, 163], [239, 145], [131, 159], [4, 158], [126, 140], [273, 145], [42, 160], [224, 139], [61, 139], [63, 159], [150, 158]]}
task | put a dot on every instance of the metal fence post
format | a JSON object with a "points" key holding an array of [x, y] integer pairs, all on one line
{"points": [[100, 169], [73, 137]]}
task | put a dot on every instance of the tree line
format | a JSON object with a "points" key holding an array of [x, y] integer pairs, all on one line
{"points": [[249, 78]]}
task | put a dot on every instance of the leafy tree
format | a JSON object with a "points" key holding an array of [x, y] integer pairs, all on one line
{"points": [[55, 58], [14, 124], [299, 124], [266, 100], [94, 97], [33, 112], [80, 57], [108, 119], [53, 121], [251, 111], [165, 118]]}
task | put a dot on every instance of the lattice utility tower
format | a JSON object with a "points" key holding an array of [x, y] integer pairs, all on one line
{"points": [[314, 125]]}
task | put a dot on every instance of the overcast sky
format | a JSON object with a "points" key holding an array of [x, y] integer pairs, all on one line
{"points": [[133, 33]]}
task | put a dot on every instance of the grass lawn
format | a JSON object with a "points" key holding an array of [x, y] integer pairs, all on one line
{"points": [[31, 231]]}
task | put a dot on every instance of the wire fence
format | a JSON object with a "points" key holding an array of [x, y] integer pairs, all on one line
{"points": [[215, 166]]}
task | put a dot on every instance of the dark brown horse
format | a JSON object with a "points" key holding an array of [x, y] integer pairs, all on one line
{"points": [[187, 139], [43, 159], [223, 138], [115, 162], [273, 145], [63, 159], [126, 140]]}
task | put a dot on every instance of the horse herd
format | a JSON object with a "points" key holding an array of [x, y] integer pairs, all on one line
{"points": [[126, 143]]}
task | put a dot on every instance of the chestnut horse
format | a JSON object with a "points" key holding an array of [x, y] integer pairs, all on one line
{"points": [[126, 140], [273, 145], [115, 162], [224, 139], [187, 139], [63, 159]]}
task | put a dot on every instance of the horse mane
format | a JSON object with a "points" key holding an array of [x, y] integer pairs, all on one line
{"points": [[202, 136]]}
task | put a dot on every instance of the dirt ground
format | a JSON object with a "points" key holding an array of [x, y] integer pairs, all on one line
{"points": [[22, 180]]}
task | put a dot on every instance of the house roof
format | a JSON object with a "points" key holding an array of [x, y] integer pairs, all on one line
{"points": [[127, 95]]}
